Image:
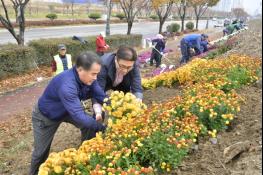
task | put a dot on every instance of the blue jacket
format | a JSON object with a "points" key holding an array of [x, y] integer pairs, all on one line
{"points": [[204, 45], [131, 81], [193, 41], [63, 95], [160, 45]]}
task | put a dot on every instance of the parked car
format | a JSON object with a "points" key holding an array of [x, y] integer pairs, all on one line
{"points": [[219, 23]]}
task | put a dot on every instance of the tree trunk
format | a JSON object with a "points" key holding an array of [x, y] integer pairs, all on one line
{"points": [[182, 24], [72, 9], [22, 27], [207, 23], [130, 23], [197, 22], [161, 25], [109, 7]]}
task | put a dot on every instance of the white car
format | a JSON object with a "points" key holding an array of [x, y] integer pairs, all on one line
{"points": [[219, 23], [214, 19]]}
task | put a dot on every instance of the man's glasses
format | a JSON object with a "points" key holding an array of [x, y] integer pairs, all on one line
{"points": [[124, 66]]}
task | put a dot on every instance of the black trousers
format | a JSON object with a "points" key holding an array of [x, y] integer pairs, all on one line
{"points": [[157, 57]]}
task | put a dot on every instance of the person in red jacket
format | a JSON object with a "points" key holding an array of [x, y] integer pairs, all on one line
{"points": [[101, 45]]}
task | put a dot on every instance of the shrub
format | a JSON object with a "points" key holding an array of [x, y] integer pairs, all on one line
{"points": [[121, 16], [154, 17], [47, 48], [190, 25], [174, 27], [52, 16], [95, 16], [16, 59], [62, 22]]}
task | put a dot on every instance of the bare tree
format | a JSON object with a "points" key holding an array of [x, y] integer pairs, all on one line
{"points": [[239, 13], [200, 7], [163, 10], [182, 7], [19, 7], [51, 8], [30, 8], [131, 9], [72, 3]]}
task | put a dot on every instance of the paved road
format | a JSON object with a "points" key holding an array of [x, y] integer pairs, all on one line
{"points": [[148, 29]]}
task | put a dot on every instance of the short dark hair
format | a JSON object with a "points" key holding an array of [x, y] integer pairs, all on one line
{"points": [[126, 53], [86, 59]]}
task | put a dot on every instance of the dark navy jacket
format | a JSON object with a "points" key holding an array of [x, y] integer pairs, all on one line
{"points": [[131, 81], [63, 96], [160, 45]]}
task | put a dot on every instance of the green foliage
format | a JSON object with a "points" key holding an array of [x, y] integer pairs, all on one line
{"points": [[156, 150], [52, 16], [121, 16], [95, 16], [237, 76], [190, 25], [174, 27], [154, 17], [47, 48], [16, 59]]}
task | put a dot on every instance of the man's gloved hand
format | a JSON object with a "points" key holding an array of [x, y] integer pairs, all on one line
{"points": [[100, 127]]}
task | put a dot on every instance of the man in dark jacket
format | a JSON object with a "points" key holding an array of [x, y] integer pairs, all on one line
{"points": [[157, 51], [61, 102], [120, 72]]}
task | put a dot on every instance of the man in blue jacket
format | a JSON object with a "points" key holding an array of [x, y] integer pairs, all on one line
{"points": [[192, 41], [120, 72], [61, 102]]}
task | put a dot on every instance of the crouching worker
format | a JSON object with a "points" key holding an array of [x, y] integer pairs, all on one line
{"points": [[119, 72], [189, 42], [61, 102]]}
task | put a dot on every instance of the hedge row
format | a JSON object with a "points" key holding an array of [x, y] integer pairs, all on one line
{"points": [[16, 59], [47, 48], [63, 22]]}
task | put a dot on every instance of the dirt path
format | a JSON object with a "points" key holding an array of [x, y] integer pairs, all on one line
{"points": [[208, 160], [16, 102]]}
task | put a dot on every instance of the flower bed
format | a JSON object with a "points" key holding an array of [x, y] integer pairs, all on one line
{"points": [[155, 140], [215, 71], [164, 68], [144, 57]]}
